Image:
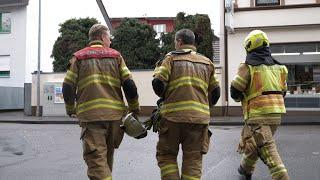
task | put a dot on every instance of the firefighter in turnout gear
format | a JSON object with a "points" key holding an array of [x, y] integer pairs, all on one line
{"points": [[260, 85], [92, 93], [186, 81]]}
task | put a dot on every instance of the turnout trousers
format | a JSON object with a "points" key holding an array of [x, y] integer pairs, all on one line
{"points": [[99, 139], [194, 139], [257, 142]]}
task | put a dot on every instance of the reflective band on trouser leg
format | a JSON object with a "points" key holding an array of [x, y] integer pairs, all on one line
{"points": [[133, 105], [108, 178], [279, 172], [169, 169], [249, 163], [185, 177]]}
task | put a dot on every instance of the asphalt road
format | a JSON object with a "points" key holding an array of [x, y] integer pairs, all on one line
{"points": [[54, 152]]}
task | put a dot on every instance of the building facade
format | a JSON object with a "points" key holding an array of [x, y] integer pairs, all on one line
{"points": [[13, 16], [293, 28], [159, 24]]}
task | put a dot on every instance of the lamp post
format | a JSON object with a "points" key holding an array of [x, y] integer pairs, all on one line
{"points": [[39, 62]]}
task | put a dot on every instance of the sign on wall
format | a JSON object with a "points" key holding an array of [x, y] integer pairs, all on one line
{"points": [[5, 22], [58, 96]]}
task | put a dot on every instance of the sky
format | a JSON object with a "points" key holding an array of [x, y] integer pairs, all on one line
{"points": [[55, 12]]}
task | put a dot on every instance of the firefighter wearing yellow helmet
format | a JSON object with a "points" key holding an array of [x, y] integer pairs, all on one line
{"points": [[260, 85]]}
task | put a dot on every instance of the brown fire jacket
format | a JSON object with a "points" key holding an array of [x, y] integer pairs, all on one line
{"points": [[189, 80], [92, 85]]}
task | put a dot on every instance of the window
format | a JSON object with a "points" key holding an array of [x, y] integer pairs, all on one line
{"points": [[4, 66], [159, 28], [267, 2], [5, 22]]}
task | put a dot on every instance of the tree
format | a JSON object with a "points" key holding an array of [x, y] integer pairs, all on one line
{"points": [[73, 37], [200, 25], [137, 44]]}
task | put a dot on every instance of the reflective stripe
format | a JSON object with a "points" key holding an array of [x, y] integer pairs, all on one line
{"points": [[133, 104], [277, 170], [100, 103], [163, 71], [169, 169], [185, 105], [185, 177], [240, 81], [71, 76], [213, 80], [125, 72], [188, 80], [70, 108], [99, 79], [248, 161], [108, 178], [266, 156], [97, 45]]}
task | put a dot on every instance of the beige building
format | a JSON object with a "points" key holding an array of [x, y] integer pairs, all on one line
{"points": [[293, 28]]}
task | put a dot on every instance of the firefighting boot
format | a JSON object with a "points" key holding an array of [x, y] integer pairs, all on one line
{"points": [[244, 174]]}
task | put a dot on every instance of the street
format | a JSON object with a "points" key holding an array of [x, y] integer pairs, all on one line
{"points": [[54, 152]]}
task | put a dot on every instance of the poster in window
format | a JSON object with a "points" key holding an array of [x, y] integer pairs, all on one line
{"points": [[5, 22], [58, 96]]}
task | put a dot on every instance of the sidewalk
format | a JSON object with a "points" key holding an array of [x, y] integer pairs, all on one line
{"points": [[19, 117]]}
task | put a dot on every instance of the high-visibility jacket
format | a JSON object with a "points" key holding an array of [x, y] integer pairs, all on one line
{"points": [[96, 74], [189, 78], [263, 87]]}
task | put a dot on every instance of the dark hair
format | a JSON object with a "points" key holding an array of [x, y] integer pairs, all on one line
{"points": [[186, 36]]}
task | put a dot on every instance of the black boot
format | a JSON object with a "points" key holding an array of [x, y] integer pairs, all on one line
{"points": [[244, 174]]}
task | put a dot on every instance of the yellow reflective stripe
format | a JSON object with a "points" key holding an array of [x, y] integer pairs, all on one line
{"points": [[125, 72], [188, 80], [168, 169], [100, 103], [70, 107], [71, 76], [268, 109], [96, 45], [277, 170], [185, 105], [267, 156], [186, 177], [248, 161], [133, 104], [213, 80], [99, 78], [163, 71]]}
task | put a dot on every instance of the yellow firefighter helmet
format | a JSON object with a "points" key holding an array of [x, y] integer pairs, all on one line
{"points": [[256, 39], [133, 127]]}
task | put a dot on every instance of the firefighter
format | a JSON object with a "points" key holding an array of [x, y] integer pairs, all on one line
{"points": [[185, 80], [92, 93], [260, 85]]}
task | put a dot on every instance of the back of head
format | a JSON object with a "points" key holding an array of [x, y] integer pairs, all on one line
{"points": [[256, 39], [186, 36], [97, 30]]}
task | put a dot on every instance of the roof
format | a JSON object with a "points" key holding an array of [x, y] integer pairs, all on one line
{"points": [[13, 3]]}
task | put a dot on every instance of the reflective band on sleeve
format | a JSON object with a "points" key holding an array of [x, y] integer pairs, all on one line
{"points": [[133, 104], [71, 76], [163, 72], [108, 178], [125, 72]]}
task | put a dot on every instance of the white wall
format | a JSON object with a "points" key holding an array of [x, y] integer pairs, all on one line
{"points": [[292, 2], [237, 54], [14, 44], [277, 17], [142, 79]]}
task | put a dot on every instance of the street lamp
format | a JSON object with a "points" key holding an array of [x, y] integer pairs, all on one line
{"points": [[39, 60]]}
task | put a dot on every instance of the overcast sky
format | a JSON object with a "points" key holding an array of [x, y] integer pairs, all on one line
{"points": [[55, 12]]}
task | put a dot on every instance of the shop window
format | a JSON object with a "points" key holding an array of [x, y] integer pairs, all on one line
{"points": [[300, 48], [4, 66], [277, 48], [159, 28], [5, 22], [267, 2]]}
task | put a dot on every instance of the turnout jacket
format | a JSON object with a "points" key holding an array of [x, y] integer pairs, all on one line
{"points": [[92, 85], [188, 80]]}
